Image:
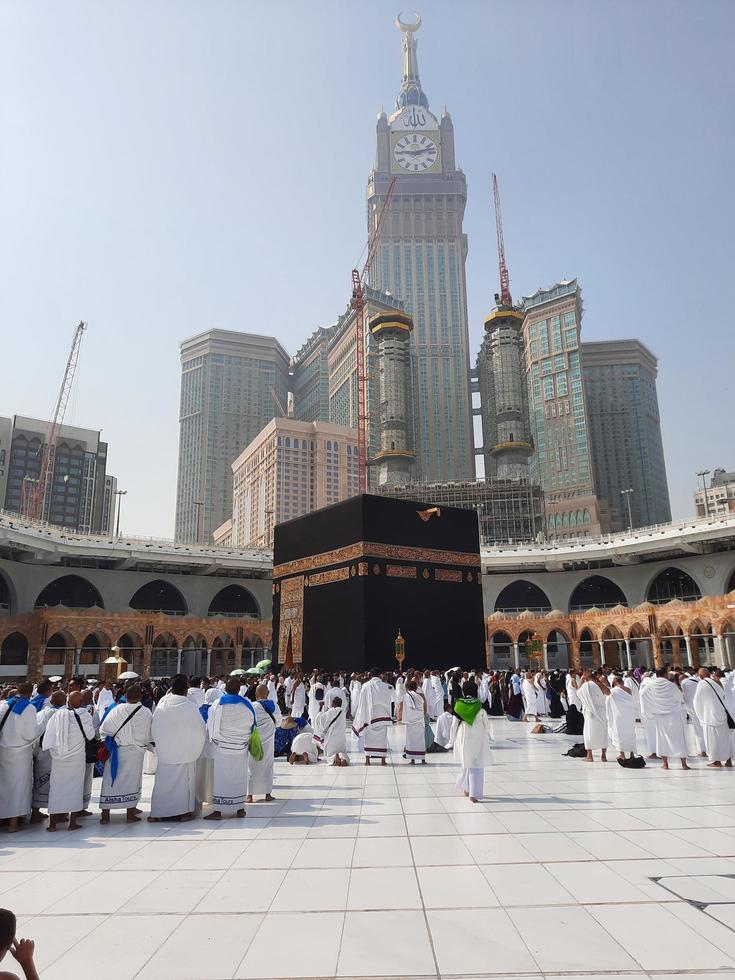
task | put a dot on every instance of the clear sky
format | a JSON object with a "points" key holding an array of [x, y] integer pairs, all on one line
{"points": [[167, 166]]}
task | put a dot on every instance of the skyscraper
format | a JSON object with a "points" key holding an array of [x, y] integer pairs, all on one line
{"points": [[625, 431], [421, 259], [230, 386], [557, 410]]}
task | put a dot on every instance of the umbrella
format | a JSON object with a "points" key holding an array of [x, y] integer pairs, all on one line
{"points": [[237, 672], [257, 671], [127, 675], [264, 664], [54, 679]]}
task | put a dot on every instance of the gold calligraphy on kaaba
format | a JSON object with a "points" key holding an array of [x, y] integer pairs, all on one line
{"points": [[371, 549], [401, 571], [291, 624], [333, 575], [448, 575]]}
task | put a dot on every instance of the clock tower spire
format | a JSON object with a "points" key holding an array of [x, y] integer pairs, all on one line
{"points": [[411, 92]]}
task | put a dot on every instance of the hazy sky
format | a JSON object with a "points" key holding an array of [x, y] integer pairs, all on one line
{"points": [[167, 166]]}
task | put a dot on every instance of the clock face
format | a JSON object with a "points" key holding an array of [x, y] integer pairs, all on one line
{"points": [[415, 152]]}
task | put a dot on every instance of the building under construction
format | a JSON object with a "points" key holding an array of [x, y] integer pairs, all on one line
{"points": [[509, 511]]}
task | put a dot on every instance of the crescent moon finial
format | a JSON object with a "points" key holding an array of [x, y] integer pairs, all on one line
{"points": [[408, 28]]}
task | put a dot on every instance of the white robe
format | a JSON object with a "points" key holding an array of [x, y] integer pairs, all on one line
{"points": [[329, 732], [42, 759], [373, 716], [229, 727], [131, 741], [621, 720], [337, 692], [663, 704], [179, 733], [66, 744], [316, 704], [572, 695], [649, 729], [472, 742], [303, 744], [530, 697], [413, 718], [443, 729], [709, 705], [595, 715], [542, 703], [635, 689], [261, 772], [17, 739], [694, 728], [436, 704], [196, 694], [104, 699]]}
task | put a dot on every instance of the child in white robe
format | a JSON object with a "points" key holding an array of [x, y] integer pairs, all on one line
{"points": [[471, 740]]}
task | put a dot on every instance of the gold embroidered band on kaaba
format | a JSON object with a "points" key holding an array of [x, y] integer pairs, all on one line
{"points": [[371, 549]]}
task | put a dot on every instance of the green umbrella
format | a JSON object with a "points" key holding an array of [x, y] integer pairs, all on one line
{"points": [[255, 670], [238, 672], [264, 664]]}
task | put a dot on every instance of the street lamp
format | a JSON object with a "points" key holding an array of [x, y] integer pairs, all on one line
{"points": [[703, 474], [626, 494], [119, 494]]}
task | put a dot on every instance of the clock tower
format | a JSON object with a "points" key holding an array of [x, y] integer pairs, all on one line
{"points": [[421, 260]]}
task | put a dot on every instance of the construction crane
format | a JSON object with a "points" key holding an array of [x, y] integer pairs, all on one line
{"points": [[358, 305], [503, 298], [33, 498]]}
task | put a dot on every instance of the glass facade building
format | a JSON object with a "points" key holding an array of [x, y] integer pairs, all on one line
{"points": [[625, 432], [230, 385]]}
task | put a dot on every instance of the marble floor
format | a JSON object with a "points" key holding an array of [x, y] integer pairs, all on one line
{"points": [[566, 869]]}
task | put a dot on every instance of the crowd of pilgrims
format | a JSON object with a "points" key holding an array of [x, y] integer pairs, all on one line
{"points": [[213, 740]]}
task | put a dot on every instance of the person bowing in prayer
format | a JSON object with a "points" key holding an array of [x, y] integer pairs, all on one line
{"points": [[179, 733]]}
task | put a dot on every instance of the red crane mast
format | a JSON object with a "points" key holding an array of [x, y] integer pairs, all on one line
{"points": [[505, 297], [358, 305], [34, 500]]}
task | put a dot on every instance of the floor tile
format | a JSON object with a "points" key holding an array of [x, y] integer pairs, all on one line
{"points": [[382, 852], [455, 888], [335, 853], [432, 851], [591, 883], [403, 949], [525, 884], [461, 941], [216, 951], [323, 890], [294, 945], [553, 936], [242, 890], [175, 891], [376, 888]]}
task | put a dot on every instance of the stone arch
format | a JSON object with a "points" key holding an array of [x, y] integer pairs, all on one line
{"points": [[672, 583], [558, 649], [596, 591], [94, 648], [71, 591], [589, 649], [159, 596], [7, 594], [128, 642], [641, 648], [164, 655], [613, 646], [58, 645], [194, 660], [223, 654], [521, 594], [673, 648], [501, 650], [14, 651], [730, 585], [234, 600]]}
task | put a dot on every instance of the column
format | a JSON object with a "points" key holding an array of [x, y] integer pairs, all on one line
{"points": [[178, 660], [209, 661], [601, 661], [238, 656], [628, 655], [546, 656], [719, 651], [676, 652], [147, 652], [516, 656], [658, 658], [574, 657], [688, 645]]}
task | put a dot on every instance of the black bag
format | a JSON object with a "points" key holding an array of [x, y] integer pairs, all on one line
{"points": [[91, 745], [577, 751], [637, 762]]}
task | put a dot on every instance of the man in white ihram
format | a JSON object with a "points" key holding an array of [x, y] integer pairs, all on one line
{"points": [[126, 729], [709, 705], [373, 716], [229, 725], [179, 734], [689, 688], [662, 703], [592, 693], [329, 733], [67, 733], [267, 717], [18, 733], [621, 718]]}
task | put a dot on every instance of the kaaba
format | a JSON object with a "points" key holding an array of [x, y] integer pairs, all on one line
{"points": [[347, 579]]}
